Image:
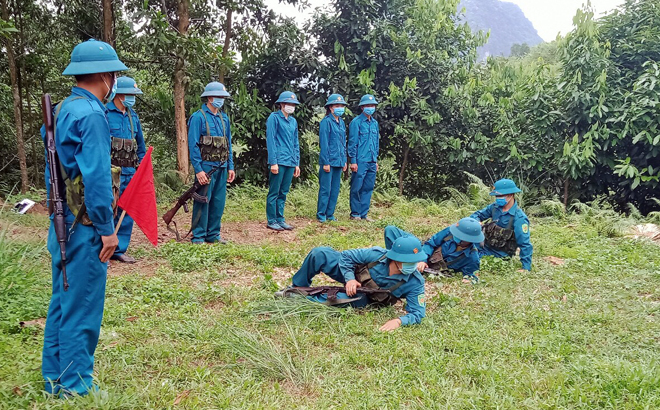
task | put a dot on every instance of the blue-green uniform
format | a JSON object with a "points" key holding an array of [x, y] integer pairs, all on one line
{"points": [[363, 146], [73, 324], [126, 126], [340, 266], [332, 141], [207, 217], [284, 151]]}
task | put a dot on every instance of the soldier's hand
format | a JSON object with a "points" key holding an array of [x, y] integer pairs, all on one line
{"points": [[326, 168], [354, 167], [421, 266], [377, 167], [345, 168], [351, 287], [110, 243], [391, 325], [231, 175], [274, 169], [202, 177], [296, 172]]}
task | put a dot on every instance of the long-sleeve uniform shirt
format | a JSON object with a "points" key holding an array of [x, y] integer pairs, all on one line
{"points": [[332, 141], [412, 289], [120, 127], [282, 140], [218, 126], [363, 140], [467, 264], [83, 146], [520, 228]]}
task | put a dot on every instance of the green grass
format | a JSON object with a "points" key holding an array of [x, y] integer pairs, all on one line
{"points": [[201, 328]]}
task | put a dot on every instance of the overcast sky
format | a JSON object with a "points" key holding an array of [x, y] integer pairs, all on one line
{"points": [[550, 17]]}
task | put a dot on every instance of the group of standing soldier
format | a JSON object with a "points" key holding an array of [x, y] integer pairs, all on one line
{"points": [[100, 143]]}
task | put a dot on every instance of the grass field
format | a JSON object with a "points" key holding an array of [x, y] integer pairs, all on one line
{"points": [[196, 327]]}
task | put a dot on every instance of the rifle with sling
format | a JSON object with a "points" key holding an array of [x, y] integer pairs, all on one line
{"points": [[56, 203], [332, 292], [183, 202]]}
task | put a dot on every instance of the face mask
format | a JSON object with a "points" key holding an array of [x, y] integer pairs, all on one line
{"points": [[289, 109], [339, 111], [370, 110], [111, 90], [218, 102], [500, 202], [408, 268], [129, 101]]}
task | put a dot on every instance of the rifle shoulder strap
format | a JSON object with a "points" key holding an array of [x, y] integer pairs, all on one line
{"points": [[395, 287], [130, 120], [376, 262]]}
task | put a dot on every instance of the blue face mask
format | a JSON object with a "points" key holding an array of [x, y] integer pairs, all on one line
{"points": [[113, 90], [339, 111], [370, 110], [408, 268], [129, 101], [218, 102], [500, 202]]}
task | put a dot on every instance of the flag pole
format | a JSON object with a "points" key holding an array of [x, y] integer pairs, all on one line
{"points": [[121, 219]]}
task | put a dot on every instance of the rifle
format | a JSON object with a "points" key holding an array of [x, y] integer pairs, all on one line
{"points": [[332, 292], [56, 203], [438, 272], [183, 202]]}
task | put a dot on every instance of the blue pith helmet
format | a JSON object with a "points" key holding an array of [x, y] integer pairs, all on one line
{"points": [[93, 56], [288, 97], [504, 187], [335, 99], [407, 249], [468, 230], [127, 85], [215, 89], [368, 99]]}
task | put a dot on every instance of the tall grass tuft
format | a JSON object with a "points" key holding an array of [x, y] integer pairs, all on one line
{"points": [[295, 307]]}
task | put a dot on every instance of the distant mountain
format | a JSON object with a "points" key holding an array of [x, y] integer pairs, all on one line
{"points": [[506, 22]]}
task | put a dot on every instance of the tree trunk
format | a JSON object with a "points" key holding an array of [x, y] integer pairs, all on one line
{"points": [[565, 194], [225, 48], [108, 23], [18, 120], [403, 168], [180, 94]]}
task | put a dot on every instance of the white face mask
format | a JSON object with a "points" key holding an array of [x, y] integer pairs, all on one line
{"points": [[289, 109]]}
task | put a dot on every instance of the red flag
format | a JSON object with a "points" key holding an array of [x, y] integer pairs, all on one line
{"points": [[139, 199]]}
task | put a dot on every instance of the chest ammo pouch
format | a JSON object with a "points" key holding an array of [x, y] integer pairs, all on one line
{"points": [[437, 262], [502, 239], [214, 148], [75, 189], [124, 151], [363, 276]]}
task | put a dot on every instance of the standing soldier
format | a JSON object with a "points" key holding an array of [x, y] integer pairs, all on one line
{"points": [[283, 158], [363, 144], [209, 142], [509, 226], [332, 157], [128, 149], [82, 139]]}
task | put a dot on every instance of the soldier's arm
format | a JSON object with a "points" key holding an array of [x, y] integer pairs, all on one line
{"points": [[353, 134], [139, 136], [483, 214], [435, 241], [230, 159], [93, 159], [472, 264], [296, 145], [351, 258], [521, 230], [324, 138], [415, 308], [271, 130], [194, 132]]}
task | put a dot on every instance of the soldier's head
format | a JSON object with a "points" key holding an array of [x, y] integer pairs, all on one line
{"points": [[127, 89], [95, 64], [504, 192], [335, 105], [287, 102], [466, 232], [214, 95], [368, 104], [406, 253]]}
